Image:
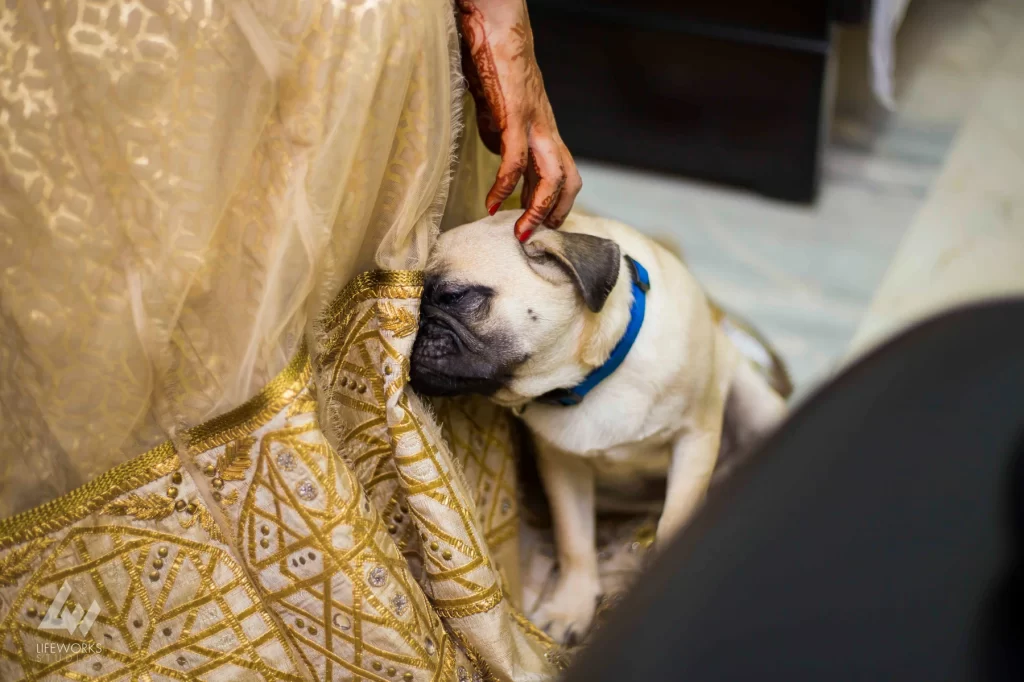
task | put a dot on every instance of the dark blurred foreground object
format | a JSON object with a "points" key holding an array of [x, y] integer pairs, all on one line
{"points": [[877, 536], [734, 91]]}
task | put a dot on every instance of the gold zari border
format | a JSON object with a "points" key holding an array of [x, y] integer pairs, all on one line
{"points": [[388, 278], [149, 466], [80, 502], [161, 460], [454, 608]]}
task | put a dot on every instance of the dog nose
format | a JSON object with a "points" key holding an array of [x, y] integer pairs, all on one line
{"points": [[434, 340]]}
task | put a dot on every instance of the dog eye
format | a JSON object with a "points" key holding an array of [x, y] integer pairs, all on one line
{"points": [[451, 297]]}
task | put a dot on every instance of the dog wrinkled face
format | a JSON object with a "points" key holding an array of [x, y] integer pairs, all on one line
{"points": [[456, 350], [503, 321]]}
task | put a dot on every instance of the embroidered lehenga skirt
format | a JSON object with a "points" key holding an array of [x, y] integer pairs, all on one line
{"points": [[213, 220], [213, 217]]}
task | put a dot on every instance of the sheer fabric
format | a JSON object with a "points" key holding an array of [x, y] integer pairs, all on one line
{"points": [[184, 186]]}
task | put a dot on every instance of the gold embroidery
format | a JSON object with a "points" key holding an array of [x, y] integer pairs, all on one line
{"points": [[155, 506], [325, 564], [153, 568], [243, 420], [164, 467], [19, 560], [193, 614], [479, 434], [385, 284], [479, 662], [475, 604], [448, 656], [402, 461], [143, 507], [534, 632], [322, 536], [159, 461], [83, 501], [398, 321], [206, 522], [303, 404], [232, 464], [222, 238]]}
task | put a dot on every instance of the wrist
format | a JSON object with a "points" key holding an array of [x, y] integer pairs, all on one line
{"points": [[497, 17]]}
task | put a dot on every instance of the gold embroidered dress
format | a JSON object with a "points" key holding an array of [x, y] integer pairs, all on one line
{"points": [[203, 202], [213, 220]]}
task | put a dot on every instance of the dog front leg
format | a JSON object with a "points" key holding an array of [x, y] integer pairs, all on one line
{"points": [[693, 461], [569, 483]]}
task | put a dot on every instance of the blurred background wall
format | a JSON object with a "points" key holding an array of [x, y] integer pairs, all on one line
{"points": [[750, 133]]}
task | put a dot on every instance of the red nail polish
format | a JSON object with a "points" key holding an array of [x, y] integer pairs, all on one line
{"points": [[524, 236], [494, 208]]}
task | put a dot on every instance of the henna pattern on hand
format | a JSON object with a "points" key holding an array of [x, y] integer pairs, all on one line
{"points": [[481, 75], [513, 112], [533, 80]]}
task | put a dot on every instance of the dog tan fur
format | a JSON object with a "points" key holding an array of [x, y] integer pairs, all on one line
{"points": [[552, 311]]}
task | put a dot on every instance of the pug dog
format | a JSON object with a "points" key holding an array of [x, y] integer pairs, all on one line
{"points": [[550, 328]]}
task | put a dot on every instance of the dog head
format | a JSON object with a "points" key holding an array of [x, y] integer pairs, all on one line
{"points": [[510, 320]]}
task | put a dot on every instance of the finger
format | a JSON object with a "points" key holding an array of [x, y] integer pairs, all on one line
{"points": [[543, 198], [530, 180], [526, 196], [513, 163], [572, 187], [545, 194]]}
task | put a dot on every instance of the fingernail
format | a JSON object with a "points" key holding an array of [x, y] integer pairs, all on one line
{"points": [[524, 235], [493, 208]]}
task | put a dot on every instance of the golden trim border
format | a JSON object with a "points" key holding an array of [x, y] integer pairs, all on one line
{"points": [[485, 603], [151, 465], [84, 500], [333, 313], [258, 410]]}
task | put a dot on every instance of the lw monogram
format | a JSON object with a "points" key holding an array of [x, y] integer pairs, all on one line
{"points": [[59, 618]]}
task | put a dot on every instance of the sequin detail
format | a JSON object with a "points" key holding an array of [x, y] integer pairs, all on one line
{"points": [[286, 461], [377, 576], [306, 491]]}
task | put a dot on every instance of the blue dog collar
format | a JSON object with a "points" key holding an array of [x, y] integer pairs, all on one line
{"points": [[574, 395]]}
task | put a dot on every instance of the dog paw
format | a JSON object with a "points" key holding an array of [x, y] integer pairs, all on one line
{"points": [[566, 616]]}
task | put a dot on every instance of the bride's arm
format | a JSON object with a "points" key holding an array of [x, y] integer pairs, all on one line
{"points": [[514, 114]]}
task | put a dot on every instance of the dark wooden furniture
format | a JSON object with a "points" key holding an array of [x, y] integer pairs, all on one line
{"points": [[734, 91]]}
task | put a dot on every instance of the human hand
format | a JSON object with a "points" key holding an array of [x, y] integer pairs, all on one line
{"points": [[514, 113]]}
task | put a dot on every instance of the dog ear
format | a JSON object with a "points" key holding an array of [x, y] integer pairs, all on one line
{"points": [[592, 263]]}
